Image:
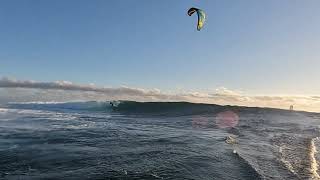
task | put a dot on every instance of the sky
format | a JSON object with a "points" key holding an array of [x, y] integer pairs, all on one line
{"points": [[268, 48]]}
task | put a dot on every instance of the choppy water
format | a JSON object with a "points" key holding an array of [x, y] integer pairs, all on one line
{"points": [[91, 140]]}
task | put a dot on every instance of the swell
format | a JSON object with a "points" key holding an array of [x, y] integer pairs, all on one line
{"points": [[145, 108], [250, 165], [184, 108], [165, 108]]}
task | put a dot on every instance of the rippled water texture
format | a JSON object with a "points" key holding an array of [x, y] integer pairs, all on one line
{"points": [[91, 140]]}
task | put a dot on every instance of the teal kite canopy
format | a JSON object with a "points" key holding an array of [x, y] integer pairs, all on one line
{"points": [[201, 17]]}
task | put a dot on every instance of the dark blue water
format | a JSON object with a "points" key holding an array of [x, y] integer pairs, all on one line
{"points": [[92, 140]]}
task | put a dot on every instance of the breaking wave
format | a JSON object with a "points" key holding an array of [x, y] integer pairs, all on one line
{"points": [[76, 106]]}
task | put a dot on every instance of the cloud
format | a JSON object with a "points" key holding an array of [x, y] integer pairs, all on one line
{"points": [[69, 86], [28, 90], [225, 91]]}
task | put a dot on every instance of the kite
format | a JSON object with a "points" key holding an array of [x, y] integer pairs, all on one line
{"points": [[201, 16]]}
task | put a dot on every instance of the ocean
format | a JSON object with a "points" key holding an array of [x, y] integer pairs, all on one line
{"points": [[158, 140]]}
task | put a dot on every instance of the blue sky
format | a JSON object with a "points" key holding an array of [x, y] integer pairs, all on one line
{"points": [[269, 47]]}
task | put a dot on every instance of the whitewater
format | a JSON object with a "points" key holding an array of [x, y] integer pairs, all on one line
{"points": [[156, 140]]}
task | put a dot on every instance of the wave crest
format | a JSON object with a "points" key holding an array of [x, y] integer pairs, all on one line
{"points": [[87, 106]]}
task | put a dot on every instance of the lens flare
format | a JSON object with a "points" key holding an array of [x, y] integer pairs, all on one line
{"points": [[199, 122], [227, 119]]}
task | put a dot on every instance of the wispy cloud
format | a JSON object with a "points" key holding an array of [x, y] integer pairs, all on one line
{"points": [[69, 86], [28, 90]]}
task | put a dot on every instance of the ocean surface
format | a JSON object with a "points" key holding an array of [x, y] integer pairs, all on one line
{"points": [[131, 140]]}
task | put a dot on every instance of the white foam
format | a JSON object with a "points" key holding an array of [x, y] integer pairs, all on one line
{"points": [[3, 110], [38, 102], [285, 162], [313, 162]]}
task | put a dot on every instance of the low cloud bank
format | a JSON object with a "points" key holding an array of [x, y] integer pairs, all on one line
{"points": [[28, 90], [69, 86]]}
